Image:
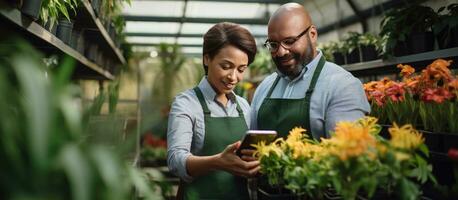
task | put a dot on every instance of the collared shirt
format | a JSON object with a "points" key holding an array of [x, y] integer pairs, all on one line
{"points": [[186, 127], [338, 96]]}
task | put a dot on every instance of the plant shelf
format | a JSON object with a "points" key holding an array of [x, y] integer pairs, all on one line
{"points": [[93, 22], [387, 66], [49, 43]]}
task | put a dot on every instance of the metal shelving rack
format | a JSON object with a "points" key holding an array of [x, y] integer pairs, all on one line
{"points": [[93, 22], [13, 21]]}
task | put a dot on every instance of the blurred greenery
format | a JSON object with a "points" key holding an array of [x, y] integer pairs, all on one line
{"points": [[42, 150], [262, 64], [171, 62]]}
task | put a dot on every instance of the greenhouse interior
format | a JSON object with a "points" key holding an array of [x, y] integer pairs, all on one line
{"points": [[228, 99]]}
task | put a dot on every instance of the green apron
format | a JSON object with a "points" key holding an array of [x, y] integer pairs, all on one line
{"points": [[284, 114], [219, 132]]}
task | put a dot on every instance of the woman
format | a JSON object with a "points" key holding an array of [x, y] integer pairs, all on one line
{"points": [[207, 122]]}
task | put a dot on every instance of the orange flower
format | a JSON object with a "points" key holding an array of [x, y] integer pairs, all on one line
{"points": [[437, 95], [396, 92], [412, 84], [437, 73], [406, 70], [453, 85]]}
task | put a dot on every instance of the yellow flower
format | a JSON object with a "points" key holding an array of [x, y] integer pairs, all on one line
{"points": [[351, 140], [247, 85], [405, 137], [369, 123], [295, 135], [401, 156], [264, 150]]}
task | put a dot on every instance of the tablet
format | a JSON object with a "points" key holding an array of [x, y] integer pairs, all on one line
{"points": [[254, 137]]}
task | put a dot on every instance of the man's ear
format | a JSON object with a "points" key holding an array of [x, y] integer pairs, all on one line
{"points": [[313, 34]]}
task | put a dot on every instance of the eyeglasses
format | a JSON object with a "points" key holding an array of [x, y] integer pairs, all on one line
{"points": [[287, 43]]}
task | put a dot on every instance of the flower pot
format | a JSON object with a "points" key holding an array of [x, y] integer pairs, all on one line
{"points": [[455, 36], [77, 41], [96, 7], [420, 42], [353, 56], [31, 8], [64, 30], [90, 50], [440, 142], [271, 194], [400, 49], [112, 31], [369, 53], [99, 60], [338, 58], [15, 3], [442, 168], [447, 38], [433, 141]]}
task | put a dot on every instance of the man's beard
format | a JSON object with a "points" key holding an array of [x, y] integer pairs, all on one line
{"points": [[303, 60]]}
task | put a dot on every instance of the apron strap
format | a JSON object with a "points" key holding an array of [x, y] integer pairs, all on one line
{"points": [[238, 108], [201, 98], [308, 93], [273, 86]]}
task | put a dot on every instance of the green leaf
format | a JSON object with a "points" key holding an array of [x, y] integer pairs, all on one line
{"points": [[78, 171], [36, 103]]}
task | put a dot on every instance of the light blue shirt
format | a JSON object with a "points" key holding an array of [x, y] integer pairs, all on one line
{"points": [[186, 127], [338, 96]]}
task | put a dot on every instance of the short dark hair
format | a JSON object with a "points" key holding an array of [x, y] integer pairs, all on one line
{"points": [[226, 33]]}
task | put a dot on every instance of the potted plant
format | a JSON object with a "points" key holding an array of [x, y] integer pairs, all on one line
{"points": [[352, 44], [427, 100], [338, 51], [355, 163], [31, 8], [326, 50], [370, 46], [408, 30], [109, 9], [59, 12], [446, 28]]}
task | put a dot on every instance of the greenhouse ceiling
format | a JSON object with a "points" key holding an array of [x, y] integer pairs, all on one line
{"points": [[150, 22]]}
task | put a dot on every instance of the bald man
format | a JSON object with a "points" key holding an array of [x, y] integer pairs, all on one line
{"points": [[306, 90]]}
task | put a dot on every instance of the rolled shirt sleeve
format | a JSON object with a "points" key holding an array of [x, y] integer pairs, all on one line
{"points": [[179, 137]]}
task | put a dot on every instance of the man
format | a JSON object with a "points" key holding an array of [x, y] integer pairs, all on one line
{"points": [[306, 90]]}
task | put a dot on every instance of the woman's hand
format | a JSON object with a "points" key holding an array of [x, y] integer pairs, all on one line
{"points": [[230, 162], [247, 155]]}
